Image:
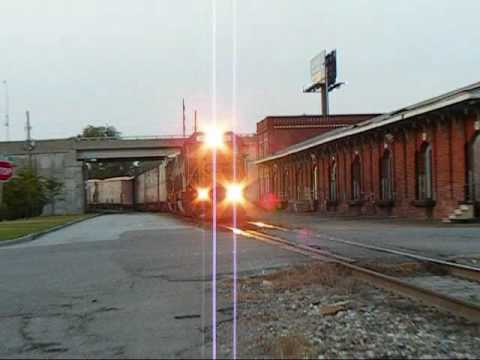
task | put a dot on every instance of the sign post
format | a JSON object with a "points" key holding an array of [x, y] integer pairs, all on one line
{"points": [[323, 71]]}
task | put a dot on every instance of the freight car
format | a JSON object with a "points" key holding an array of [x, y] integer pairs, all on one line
{"points": [[112, 193], [151, 189], [147, 191], [192, 189]]}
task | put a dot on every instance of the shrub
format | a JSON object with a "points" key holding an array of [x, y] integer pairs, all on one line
{"points": [[26, 194]]}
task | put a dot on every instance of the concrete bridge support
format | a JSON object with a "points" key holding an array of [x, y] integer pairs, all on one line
{"points": [[64, 160], [55, 160]]}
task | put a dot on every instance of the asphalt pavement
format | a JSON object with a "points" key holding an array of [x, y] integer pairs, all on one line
{"points": [[126, 285]]}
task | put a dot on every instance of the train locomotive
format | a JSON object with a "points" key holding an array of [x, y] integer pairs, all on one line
{"points": [[207, 178]]}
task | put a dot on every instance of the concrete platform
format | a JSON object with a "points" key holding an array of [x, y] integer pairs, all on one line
{"points": [[429, 238]]}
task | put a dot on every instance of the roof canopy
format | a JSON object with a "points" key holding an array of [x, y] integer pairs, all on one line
{"points": [[467, 93]]}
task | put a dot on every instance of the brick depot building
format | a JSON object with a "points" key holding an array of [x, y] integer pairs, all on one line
{"points": [[275, 133], [420, 161]]}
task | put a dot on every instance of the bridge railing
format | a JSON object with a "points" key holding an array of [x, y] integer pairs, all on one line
{"points": [[146, 137], [139, 137]]}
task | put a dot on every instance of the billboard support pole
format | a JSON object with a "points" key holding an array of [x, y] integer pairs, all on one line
{"points": [[325, 105], [324, 92], [324, 96]]}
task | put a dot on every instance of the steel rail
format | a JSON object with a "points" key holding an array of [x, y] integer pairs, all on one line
{"points": [[429, 297], [458, 270]]}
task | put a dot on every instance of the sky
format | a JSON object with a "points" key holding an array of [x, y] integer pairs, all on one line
{"points": [[129, 63]]}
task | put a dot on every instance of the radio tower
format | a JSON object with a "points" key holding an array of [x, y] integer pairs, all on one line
{"points": [[7, 110]]}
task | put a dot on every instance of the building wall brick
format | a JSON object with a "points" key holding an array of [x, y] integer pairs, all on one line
{"points": [[448, 133]]}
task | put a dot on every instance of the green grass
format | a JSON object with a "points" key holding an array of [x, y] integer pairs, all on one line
{"points": [[12, 229]]}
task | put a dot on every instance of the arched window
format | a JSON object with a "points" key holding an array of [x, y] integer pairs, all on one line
{"points": [[332, 180], [473, 170], [262, 179], [285, 189], [386, 176], [267, 181], [356, 179], [424, 173], [274, 187], [298, 183], [315, 182]]}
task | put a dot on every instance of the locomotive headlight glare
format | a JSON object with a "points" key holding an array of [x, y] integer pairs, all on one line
{"points": [[234, 193], [214, 138], [202, 194]]}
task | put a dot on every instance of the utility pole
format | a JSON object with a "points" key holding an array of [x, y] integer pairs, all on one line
{"points": [[195, 121], [184, 129], [7, 112], [28, 129]]}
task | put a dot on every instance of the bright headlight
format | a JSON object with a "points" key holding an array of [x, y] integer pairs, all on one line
{"points": [[202, 194], [234, 193], [214, 138]]}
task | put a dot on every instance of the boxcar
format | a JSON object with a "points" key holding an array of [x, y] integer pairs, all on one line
{"points": [[111, 193], [151, 189]]}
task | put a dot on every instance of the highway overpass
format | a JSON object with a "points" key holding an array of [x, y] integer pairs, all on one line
{"points": [[65, 160]]}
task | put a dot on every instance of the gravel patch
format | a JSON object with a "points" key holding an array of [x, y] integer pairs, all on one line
{"points": [[318, 311]]}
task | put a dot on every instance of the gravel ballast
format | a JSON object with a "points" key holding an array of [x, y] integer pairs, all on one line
{"points": [[318, 311]]}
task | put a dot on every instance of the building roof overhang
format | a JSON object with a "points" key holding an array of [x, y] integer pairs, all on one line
{"points": [[467, 93]]}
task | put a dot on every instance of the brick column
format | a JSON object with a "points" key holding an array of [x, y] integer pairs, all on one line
{"points": [[458, 158]]}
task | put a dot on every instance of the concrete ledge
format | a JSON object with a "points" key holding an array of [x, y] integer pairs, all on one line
{"points": [[33, 236]]}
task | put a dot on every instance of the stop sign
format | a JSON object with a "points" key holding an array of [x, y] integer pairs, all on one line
{"points": [[6, 170]]}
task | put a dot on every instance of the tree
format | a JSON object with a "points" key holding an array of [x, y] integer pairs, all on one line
{"points": [[23, 195], [52, 188], [26, 194], [100, 131]]}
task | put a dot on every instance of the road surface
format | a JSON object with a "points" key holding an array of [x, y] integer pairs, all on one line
{"points": [[113, 285]]}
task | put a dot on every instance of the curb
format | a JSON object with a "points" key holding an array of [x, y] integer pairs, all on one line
{"points": [[33, 236]]}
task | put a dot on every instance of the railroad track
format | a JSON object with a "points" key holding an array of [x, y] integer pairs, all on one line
{"points": [[441, 301], [466, 272]]}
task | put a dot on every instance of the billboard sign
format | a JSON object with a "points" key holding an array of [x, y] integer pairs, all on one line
{"points": [[331, 66], [317, 68]]}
